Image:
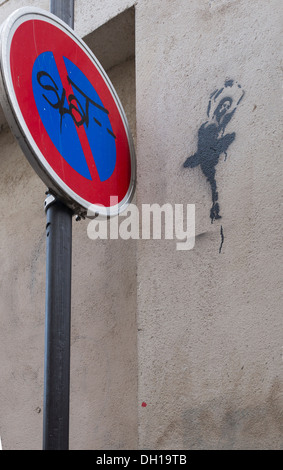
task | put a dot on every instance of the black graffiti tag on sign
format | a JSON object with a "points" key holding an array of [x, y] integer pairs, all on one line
{"points": [[78, 112], [212, 139]]}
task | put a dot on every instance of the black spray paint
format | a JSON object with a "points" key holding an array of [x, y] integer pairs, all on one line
{"points": [[212, 142], [222, 239]]}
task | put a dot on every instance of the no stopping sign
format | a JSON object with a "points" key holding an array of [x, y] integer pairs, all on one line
{"points": [[65, 113]]}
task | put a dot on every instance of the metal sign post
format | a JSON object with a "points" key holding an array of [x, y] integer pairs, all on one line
{"points": [[58, 304], [57, 325], [64, 9]]}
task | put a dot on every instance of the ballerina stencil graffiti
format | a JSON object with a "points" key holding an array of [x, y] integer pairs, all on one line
{"points": [[212, 140]]}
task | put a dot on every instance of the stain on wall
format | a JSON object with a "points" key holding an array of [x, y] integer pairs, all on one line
{"points": [[218, 424], [212, 140]]}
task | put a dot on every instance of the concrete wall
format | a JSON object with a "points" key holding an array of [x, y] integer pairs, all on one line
{"points": [[210, 339], [195, 335], [103, 410]]}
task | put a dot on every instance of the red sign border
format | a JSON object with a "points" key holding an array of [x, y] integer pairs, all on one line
{"points": [[20, 128]]}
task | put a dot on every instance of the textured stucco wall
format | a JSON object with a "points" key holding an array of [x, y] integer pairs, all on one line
{"points": [[90, 15], [103, 411], [210, 323], [22, 299], [208, 358]]}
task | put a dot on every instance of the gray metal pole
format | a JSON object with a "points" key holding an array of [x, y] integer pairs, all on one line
{"points": [[57, 326], [64, 9], [58, 304]]}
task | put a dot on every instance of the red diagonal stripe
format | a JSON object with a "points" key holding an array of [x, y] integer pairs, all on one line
{"points": [[80, 130]]}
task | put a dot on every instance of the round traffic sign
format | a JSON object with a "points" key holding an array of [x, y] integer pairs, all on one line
{"points": [[65, 113]]}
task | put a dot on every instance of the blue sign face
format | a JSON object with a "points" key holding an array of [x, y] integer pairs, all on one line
{"points": [[74, 116]]}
